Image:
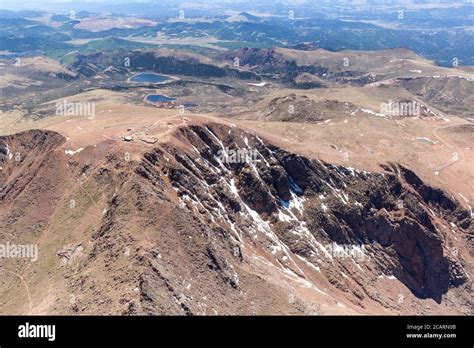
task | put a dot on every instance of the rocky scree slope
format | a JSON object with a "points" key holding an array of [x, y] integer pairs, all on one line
{"points": [[184, 231]]}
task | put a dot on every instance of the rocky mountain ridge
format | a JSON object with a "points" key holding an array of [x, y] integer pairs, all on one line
{"points": [[188, 227]]}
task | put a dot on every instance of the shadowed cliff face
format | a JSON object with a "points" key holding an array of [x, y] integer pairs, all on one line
{"points": [[394, 215], [218, 220]]}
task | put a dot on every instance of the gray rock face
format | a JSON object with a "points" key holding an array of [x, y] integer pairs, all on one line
{"points": [[190, 228], [325, 203]]}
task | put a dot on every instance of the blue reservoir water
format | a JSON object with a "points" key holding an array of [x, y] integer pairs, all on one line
{"points": [[149, 78], [158, 98]]}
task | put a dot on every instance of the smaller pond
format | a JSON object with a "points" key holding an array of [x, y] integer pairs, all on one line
{"points": [[149, 78], [190, 105], [158, 98]]}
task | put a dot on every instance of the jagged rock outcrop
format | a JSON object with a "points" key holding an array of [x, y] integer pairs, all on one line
{"points": [[219, 221], [326, 203]]}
